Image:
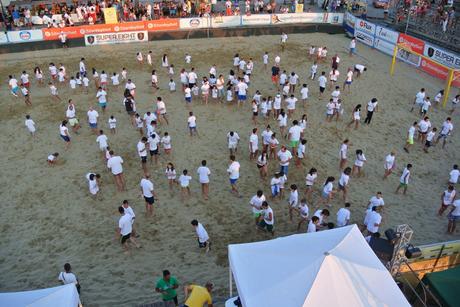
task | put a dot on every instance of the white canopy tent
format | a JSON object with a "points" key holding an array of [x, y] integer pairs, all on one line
{"points": [[327, 268], [62, 296]]}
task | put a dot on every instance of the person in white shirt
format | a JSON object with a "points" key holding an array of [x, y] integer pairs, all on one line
{"points": [[142, 152], [54, 92], [410, 137], [295, 134], [348, 80], [293, 78], [242, 88], [389, 164], [304, 94], [67, 277], [203, 174], [102, 140], [359, 163], [64, 133], [265, 60], [192, 77], [267, 219], [343, 182], [313, 224], [447, 198], [404, 180], [202, 235], [284, 38], [148, 193], [453, 216], [343, 153], [301, 149], [166, 142], [115, 165], [125, 229], [256, 204], [322, 80], [253, 144], [352, 46], [93, 183], [454, 175], [184, 181], [284, 157], [30, 124], [359, 69], [446, 130], [423, 127], [429, 139], [234, 173], [52, 159], [303, 212], [376, 201], [343, 216], [232, 139], [191, 121], [372, 106], [419, 98], [161, 110], [92, 116], [374, 219], [293, 200]]}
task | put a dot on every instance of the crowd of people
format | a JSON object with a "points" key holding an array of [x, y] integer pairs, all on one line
{"points": [[282, 142]]}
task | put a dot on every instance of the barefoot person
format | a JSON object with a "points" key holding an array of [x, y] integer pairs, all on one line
{"points": [[202, 235], [267, 219], [389, 164], [453, 216], [256, 204], [203, 174], [234, 173], [125, 229], [149, 194], [115, 165], [404, 180]]}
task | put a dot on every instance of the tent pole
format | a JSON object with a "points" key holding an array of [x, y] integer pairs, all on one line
{"points": [[230, 280]]}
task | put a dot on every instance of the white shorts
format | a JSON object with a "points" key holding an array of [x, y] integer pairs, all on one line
{"points": [[232, 145]]}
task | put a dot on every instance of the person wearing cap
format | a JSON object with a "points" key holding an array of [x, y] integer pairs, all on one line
{"points": [[167, 287], [198, 296]]}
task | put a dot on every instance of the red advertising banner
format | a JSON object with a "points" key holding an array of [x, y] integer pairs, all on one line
{"points": [[81, 31], [438, 71], [415, 44]]}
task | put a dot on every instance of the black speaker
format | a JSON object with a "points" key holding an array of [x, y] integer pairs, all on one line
{"points": [[413, 252], [391, 235]]}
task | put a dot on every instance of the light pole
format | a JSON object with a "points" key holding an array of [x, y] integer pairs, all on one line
{"points": [[411, 9]]}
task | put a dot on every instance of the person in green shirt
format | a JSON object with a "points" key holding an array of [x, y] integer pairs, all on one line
{"points": [[167, 287]]}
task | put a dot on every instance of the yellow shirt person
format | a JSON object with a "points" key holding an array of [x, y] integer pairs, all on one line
{"points": [[198, 296]]}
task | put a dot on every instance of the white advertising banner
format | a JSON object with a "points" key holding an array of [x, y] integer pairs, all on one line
{"points": [[258, 19], [408, 57], [441, 56], [3, 38], [334, 18], [364, 37], [384, 46], [225, 21], [350, 19], [365, 27], [386, 34], [25, 36], [116, 38], [194, 23], [297, 18]]}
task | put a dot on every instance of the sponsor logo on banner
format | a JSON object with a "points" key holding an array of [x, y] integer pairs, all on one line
{"points": [[408, 57], [384, 46], [25, 36], [297, 18], [3, 38], [225, 21], [386, 34], [439, 71], [193, 23], [262, 19], [116, 38], [364, 37], [413, 43], [350, 19], [334, 18], [439, 55], [162, 25], [365, 26]]}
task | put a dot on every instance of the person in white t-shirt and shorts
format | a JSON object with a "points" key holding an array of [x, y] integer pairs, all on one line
{"points": [[148, 193]]}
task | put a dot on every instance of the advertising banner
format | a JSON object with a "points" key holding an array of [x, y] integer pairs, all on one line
{"points": [[365, 27], [364, 37], [225, 21], [413, 43], [193, 23], [349, 23], [25, 36], [297, 18], [439, 55], [161, 25], [116, 38], [408, 57], [299, 8], [3, 38], [110, 15], [384, 46], [333, 18], [387, 35], [262, 19], [439, 71]]}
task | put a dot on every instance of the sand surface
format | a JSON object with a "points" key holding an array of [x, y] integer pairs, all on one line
{"points": [[48, 217]]}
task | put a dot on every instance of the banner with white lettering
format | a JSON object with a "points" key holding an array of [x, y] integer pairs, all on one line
{"points": [[116, 38], [441, 56]]}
